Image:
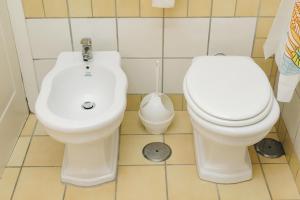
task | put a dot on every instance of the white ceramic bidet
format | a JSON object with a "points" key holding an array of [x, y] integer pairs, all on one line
{"points": [[82, 105]]}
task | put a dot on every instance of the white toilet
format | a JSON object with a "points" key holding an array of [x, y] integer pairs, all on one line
{"points": [[231, 106], [82, 105]]}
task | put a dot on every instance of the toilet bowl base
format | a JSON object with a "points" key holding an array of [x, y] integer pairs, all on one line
{"points": [[221, 163], [90, 164]]}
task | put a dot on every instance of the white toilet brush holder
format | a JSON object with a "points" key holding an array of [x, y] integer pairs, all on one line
{"points": [[156, 109]]}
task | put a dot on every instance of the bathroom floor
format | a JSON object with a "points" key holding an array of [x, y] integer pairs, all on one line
{"points": [[33, 172]]}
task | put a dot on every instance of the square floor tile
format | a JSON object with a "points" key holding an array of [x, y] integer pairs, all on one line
{"points": [[131, 124], [281, 159], [29, 126], [280, 181], [131, 149], [182, 149], [241, 191], [44, 151], [185, 184], [104, 191], [19, 152], [7, 182], [181, 123], [141, 183], [37, 183]]}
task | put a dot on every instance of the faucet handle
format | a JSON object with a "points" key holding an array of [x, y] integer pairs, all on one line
{"points": [[86, 41]]}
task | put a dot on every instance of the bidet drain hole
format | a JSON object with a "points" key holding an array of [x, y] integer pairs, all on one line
{"points": [[88, 105], [157, 151], [269, 148]]}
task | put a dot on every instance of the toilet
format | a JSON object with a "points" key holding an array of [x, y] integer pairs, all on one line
{"points": [[231, 106], [82, 105]]}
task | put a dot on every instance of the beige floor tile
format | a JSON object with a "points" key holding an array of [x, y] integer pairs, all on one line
{"points": [[29, 126], [39, 183], [131, 147], [280, 181], [7, 182], [40, 129], [141, 183], [253, 155], [131, 124], [181, 123], [281, 159], [184, 184], [241, 191], [19, 152], [44, 151], [105, 191], [182, 149], [294, 164]]}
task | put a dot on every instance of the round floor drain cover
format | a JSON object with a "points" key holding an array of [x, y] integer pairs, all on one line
{"points": [[269, 148], [88, 105], [157, 151]]}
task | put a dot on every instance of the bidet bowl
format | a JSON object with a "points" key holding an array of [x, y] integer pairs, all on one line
{"points": [[82, 105], [71, 85]]}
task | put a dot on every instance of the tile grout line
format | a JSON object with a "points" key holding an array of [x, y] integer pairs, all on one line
{"points": [[70, 26], [117, 172], [166, 171], [209, 27], [144, 17], [64, 193], [218, 191], [21, 167], [267, 184], [256, 25], [92, 10], [44, 10], [163, 52], [117, 27], [235, 8]]}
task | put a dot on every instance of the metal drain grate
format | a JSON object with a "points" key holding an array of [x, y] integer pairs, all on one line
{"points": [[269, 148], [88, 105], [157, 151]]}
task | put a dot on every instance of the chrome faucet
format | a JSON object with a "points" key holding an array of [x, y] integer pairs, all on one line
{"points": [[86, 49]]}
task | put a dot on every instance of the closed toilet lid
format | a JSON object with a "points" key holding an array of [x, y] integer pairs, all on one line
{"points": [[229, 90]]}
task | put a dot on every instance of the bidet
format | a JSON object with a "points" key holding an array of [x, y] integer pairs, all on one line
{"points": [[82, 105]]}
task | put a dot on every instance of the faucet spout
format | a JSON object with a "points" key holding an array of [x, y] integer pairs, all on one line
{"points": [[87, 54]]}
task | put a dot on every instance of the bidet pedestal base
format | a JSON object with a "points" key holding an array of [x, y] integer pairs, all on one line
{"points": [[221, 163], [91, 163]]}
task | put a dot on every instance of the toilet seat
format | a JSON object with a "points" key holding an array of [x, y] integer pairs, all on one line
{"points": [[237, 100]]}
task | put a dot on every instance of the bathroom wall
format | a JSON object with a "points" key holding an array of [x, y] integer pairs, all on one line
{"points": [[144, 35]]}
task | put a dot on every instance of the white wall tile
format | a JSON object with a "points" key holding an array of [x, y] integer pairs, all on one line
{"points": [[291, 116], [141, 74], [140, 37], [42, 67], [101, 30], [232, 36], [174, 72], [49, 37], [186, 37]]}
